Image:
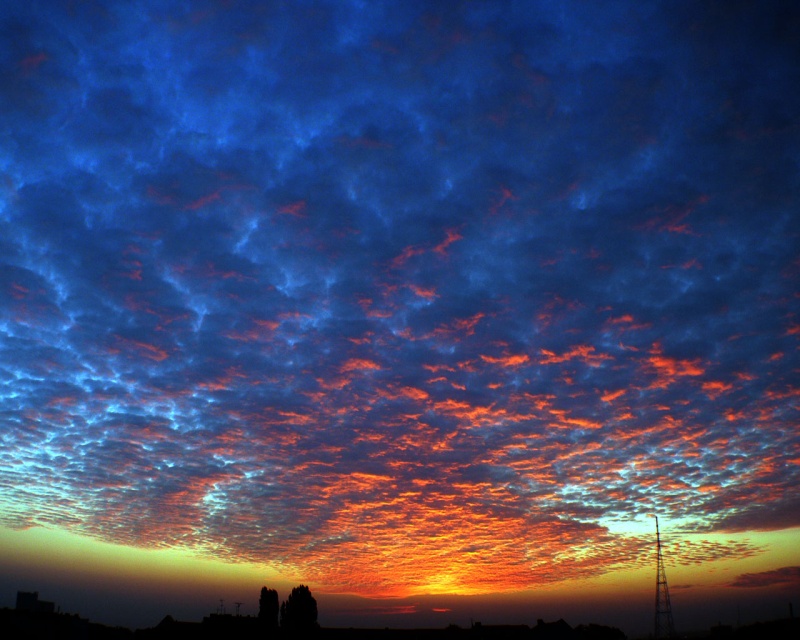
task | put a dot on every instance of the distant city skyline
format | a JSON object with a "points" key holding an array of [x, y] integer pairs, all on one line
{"points": [[398, 615], [429, 306]]}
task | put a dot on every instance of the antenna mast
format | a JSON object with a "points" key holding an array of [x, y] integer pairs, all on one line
{"points": [[664, 627]]}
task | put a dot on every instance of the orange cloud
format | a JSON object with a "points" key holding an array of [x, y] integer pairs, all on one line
{"points": [[715, 388], [507, 361], [583, 353], [422, 292], [414, 393], [612, 395], [669, 370], [452, 236], [359, 364], [405, 255]]}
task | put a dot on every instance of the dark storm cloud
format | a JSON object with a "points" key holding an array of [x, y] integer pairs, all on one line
{"points": [[325, 277]]}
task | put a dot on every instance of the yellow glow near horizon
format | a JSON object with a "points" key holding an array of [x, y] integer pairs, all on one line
{"points": [[56, 552], [776, 549], [61, 552]]}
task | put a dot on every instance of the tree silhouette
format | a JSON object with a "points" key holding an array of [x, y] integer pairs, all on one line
{"points": [[268, 607], [299, 611]]}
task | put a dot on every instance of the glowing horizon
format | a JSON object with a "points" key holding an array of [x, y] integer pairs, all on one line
{"points": [[408, 303], [58, 559]]}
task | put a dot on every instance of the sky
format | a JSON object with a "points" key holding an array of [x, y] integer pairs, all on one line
{"points": [[430, 306]]}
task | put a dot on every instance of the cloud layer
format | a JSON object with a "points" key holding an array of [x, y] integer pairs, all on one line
{"points": [[400, 298]]}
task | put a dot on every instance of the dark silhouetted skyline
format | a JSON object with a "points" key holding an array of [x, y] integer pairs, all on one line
{"points": [[430, 306]]}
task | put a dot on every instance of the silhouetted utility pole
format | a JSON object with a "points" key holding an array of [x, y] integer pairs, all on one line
{"points": [[664, 625]]}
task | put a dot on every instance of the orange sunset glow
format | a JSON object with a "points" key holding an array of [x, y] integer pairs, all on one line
{"points": [[427, 308]]}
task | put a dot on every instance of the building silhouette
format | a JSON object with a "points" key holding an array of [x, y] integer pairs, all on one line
{"points": [[29, 601]]}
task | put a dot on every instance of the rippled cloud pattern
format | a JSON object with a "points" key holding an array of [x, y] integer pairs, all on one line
{"points": [[401, 297]]}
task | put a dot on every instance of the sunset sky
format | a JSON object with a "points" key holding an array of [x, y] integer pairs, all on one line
{"points": [[430, 306]]}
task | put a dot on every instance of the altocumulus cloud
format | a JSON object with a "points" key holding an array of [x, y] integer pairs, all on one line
{"points": [[448, 286]]}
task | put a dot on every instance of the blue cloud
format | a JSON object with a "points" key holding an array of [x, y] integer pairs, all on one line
{"points": [[284, 278]]}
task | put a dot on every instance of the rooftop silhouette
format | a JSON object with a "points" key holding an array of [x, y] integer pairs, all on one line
{"points": [[34, 619]]}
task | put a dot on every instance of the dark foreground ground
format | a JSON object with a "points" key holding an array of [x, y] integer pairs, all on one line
{"points": [[25, 625]]}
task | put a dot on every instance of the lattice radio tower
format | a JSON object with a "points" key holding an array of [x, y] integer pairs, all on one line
{"points": [[664, 625]]}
